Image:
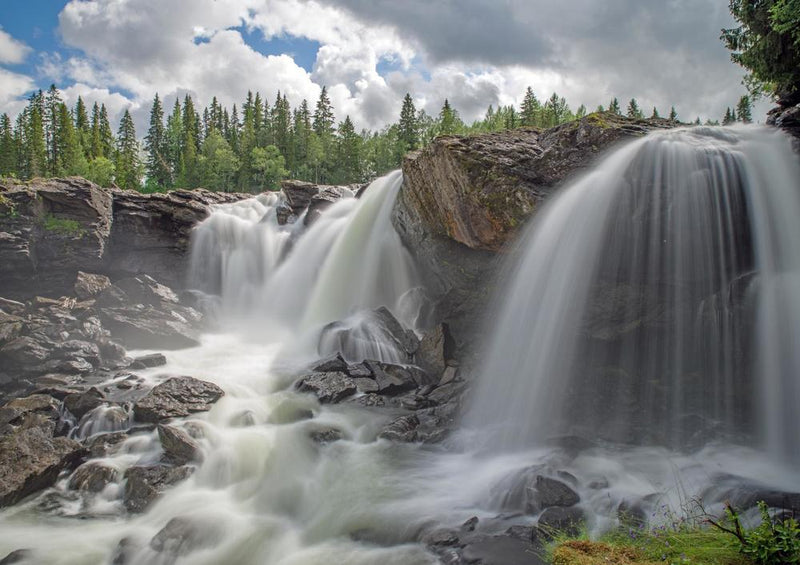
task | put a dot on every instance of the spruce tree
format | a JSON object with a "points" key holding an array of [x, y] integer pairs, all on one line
{"points": [[408, 128], [614, 108], [448, 119], [655, 115], [634, 111], [107, 142], [156, 144], [8, 149], [531, 109], [348, 153], [745, 110], [71, 160], [323, 115], [83, 128], [174, 141], [673, 115], [51, 127], [127, 167]]}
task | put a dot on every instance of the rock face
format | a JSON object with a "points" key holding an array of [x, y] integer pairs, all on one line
{"points": [[307, 196], [464, 198], [51, 229], [175, 398]]}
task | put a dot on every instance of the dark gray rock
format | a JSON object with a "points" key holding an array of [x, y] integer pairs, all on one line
{"points": [[179, 447], [328, 387], [93, 476], [17, 556], [436, 347], [402, 429], [147, 327], [183, 535], [148, 361], [328, 435], [559, 520], [321, 202], [298, 194], [176, 397], [357, 336], [546, 492], [394, 379], [502, 550], [331, 364], [144, 289], [82, 402], [88, 285], [31, 460], [145, 484]]}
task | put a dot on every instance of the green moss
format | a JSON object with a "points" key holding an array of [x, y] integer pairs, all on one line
{"points": [[8, 208], [62, 226]]}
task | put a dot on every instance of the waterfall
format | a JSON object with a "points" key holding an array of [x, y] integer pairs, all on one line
{"points": [[274, 278], [655, 301]]}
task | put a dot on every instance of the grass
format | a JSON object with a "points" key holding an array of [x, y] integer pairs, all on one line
{"points": [[682, 542], [62, 226]]}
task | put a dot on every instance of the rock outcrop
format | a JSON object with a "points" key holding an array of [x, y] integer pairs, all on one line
{"points": [[465, 198], [51, 229]]}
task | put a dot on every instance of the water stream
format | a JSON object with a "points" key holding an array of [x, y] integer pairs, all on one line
{"points": [[638, 298]]}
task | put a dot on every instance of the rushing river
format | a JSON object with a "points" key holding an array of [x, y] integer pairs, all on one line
{"points": [[666, 230]]}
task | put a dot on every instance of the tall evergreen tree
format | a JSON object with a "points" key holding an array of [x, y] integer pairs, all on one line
{"points": [[614, 107], [51, 116], [654, 115], [83, 128], [174, 142], [156, 144], [448, 119], [348, 153], [8, 149], [127, 167], [107, 142], [323, 115], [530, 113], [673, 115], [633, 110], [408, 128], [745, 110], [71, 160]]}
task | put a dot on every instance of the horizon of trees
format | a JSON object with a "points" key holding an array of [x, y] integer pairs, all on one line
{"points": [[253, 148]]}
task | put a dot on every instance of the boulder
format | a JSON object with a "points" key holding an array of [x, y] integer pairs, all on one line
{"points": [[147, 327], [331, 363], [395, 379], [184, 535], [148, 361], [328, 387], [322, 201], [559, 520], [145, 484], [402, 429], [83, 402], [436, 348], [179, 447], [546, 493], [298, 194], [31, 460], [89, 285], [367, 334], [93, 476], [176, 397], [464, 199]]}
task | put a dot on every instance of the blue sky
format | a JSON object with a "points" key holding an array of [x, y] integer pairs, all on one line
{"points": [[369, 53]]}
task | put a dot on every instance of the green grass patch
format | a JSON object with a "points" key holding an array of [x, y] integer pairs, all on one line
{"points": [[62, 226]]}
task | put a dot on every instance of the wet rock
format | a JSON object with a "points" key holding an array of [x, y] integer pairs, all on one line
{"points": [[183, 535], [148, 361], [80, 403], [88, 285], [502, 550], [104, 445], [470, 524], [559, 520], [93, 476], [402, 429], [360, 336], [176, 397], [366, 386], [147, 327], [332, 363], [145, 484], [321, 202], [395, 379], [360, 371], [179, 447], [546, 492], [25, 351], [450, 391], [144, 289], [436, 347], [328, 435], [298, 194], [31, 460], [285, 214], [328, 387], [17, 556], [441, 537]]}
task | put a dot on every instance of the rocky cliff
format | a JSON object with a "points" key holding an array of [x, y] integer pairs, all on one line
{"points": [[465, 198], [50, 229]]}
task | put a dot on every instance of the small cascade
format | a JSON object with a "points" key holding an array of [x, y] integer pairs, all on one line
{"points": [[655, 302], [272, 279]]}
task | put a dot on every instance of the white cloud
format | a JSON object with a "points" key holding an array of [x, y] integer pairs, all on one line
{"points": [[12, 51], [12, 87]]}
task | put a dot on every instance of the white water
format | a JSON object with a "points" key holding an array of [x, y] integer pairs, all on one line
{"points": [[265, 493], [657, 301]]}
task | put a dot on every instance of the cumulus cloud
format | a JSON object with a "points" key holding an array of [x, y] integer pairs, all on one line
{"points": [[12, 87], [12, 51]]}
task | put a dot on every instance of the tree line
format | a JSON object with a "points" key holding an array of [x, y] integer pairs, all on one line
{"points": [[252, 147]]}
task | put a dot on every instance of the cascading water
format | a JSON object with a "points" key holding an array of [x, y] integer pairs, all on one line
{"points": [[654, 301]]}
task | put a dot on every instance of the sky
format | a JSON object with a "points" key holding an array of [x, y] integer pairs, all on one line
{"points": [[369, 53]]}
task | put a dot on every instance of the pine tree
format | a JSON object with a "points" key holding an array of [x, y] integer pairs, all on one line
{"points": [[8, 149], [189, 145], [156, 144], [127, 167], [51, 128], [448, 119], [302, 132], [348, 153], [673, 115], [531, 109], [634, 111], [323, 115], [580, 112], [614, 107], [71, 160], [729, 118], [745, 110], [174, 143], [655, 115], [107, 142], [34, 150], [83, 128], [408, 128]]}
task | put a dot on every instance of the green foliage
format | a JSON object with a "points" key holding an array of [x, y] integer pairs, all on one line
{"points": [[268, 168], [772, 542], [766, 43], [62, 226]]}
